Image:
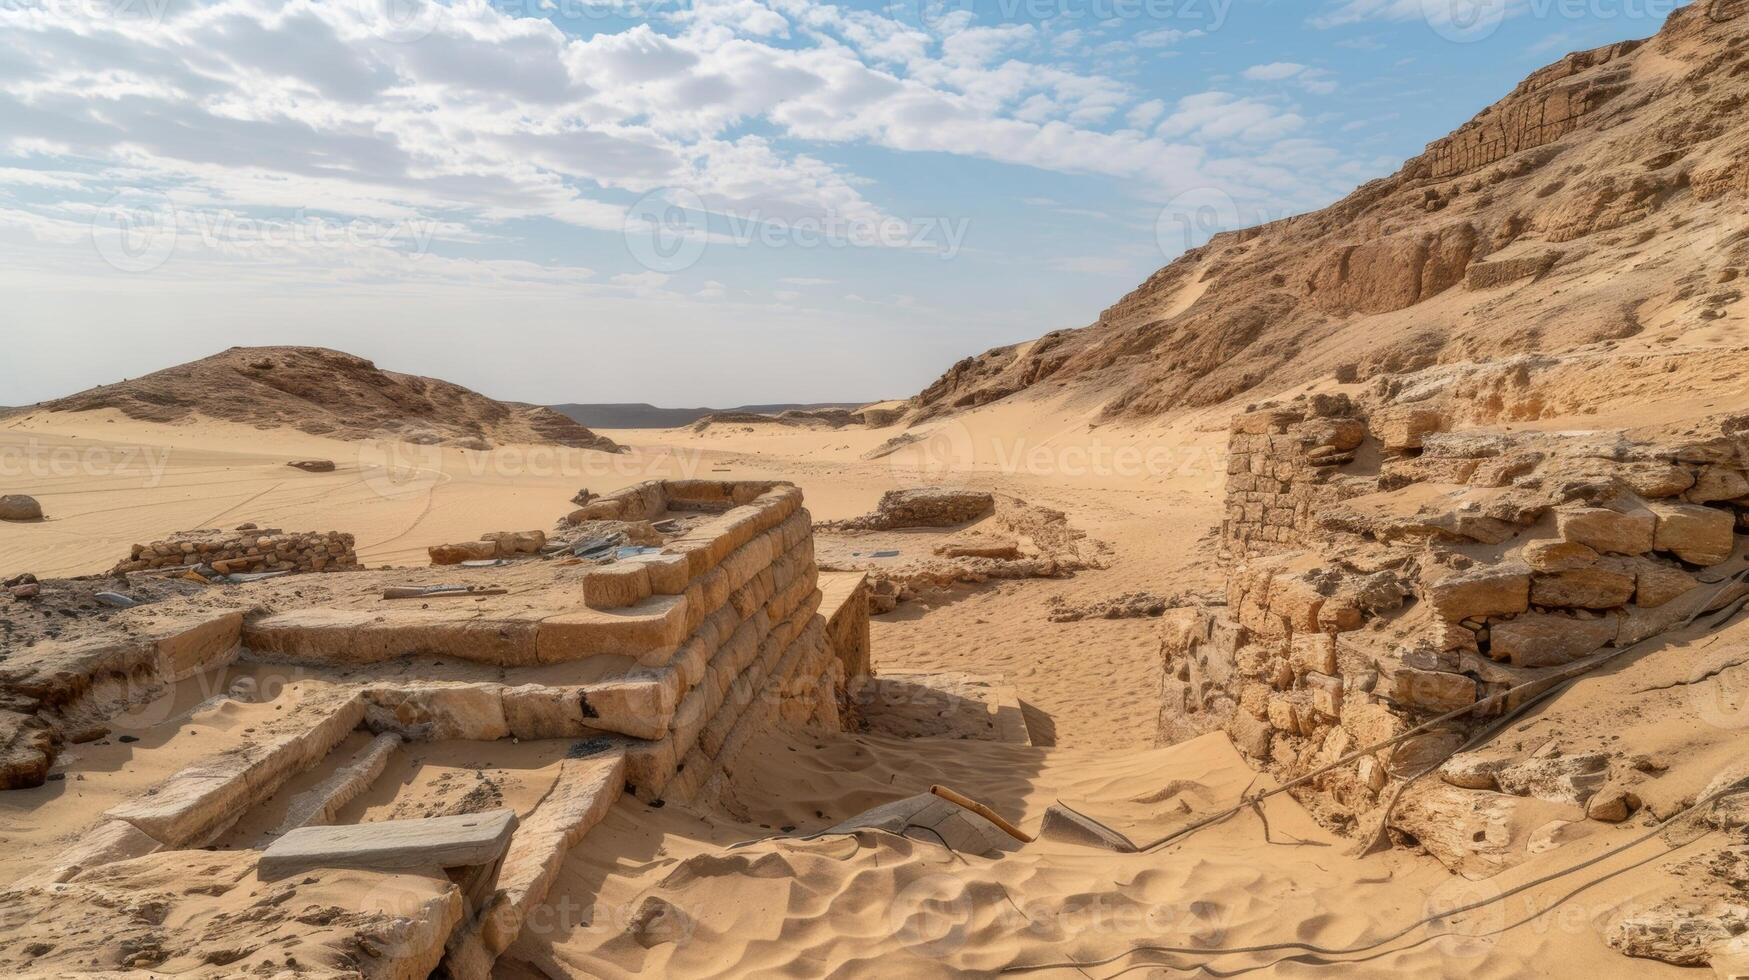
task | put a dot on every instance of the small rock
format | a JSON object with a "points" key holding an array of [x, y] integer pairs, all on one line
{"points": [[313, 465], [1612, 804], [18, 507]]}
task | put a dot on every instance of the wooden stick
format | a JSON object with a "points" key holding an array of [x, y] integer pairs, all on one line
{"points": [[982, 811]]}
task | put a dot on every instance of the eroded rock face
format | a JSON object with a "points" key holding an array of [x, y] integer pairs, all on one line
{"points": [[1570, 779], [1673, 934]]}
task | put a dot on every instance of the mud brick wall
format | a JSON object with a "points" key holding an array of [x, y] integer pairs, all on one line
{"points": [[229, 552]]}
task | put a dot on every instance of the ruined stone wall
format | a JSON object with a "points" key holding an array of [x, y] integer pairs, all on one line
{"points": [[247, 550], [1276, 460], [755, 652], [1383, 570]]}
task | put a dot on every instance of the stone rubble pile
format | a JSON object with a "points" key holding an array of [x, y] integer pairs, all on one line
{"points": [[247, 550]]}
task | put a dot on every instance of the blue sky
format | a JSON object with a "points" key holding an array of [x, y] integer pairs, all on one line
{"points": [[685, 202]]}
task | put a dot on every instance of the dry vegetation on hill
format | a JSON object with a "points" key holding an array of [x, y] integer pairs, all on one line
{"points": [[1602, 200]]}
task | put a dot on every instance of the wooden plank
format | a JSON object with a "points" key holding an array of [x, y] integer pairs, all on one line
{"points": [[392, 845]]}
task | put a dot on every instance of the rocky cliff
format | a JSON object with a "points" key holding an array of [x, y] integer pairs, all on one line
{"points": [[1601, 200]]}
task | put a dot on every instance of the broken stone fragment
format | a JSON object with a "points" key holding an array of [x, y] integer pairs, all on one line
{"points": [[1474, 770], [1612, 804], [1571, 779], [312, 465]]}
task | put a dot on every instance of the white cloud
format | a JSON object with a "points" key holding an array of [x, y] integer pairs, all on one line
{"points": [[1274, 71]]}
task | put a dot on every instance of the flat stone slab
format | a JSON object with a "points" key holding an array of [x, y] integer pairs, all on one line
{"points": [[462, 841]]}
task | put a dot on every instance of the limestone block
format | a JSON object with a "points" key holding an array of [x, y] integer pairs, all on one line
{"points": [[616, 586], [1250, 735], [1484, 590], [352, 636], [1432, 691], [510, 543], [537, 711], [455, 554], [1473, 833], [1657, 584], [1474, 770], [109, 841], [639, 706], [183, 810], [1696, 534], [668, 574], [1549, 640], [1313, 652], [1600, 586], [1402, 428], [1603, 529], [582, 795], [1297, 601], [1718, 482], [1558, 556], [436, 711], [188, 651], [649, 632], [649, 767], [468, 840]]}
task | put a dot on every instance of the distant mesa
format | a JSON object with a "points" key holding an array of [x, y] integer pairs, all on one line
{"points": [[637, 415], [325, 392]]}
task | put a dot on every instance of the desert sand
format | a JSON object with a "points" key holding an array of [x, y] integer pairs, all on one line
{"points": [[1369, 588], [870, 904]]}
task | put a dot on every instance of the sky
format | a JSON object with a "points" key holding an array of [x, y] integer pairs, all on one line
{"points": [[683, 202]]}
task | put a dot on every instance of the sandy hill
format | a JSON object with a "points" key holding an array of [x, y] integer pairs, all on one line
{"points": [[329, 393], [1599, 206]]}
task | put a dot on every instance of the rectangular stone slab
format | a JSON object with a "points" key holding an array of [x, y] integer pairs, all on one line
{"points": [[392, 845]]}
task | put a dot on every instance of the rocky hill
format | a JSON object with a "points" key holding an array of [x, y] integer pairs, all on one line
{"points": [[329, 393], [1599, 206]]}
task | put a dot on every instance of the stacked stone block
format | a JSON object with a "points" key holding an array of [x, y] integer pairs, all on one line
{"points": [[1277, 459], [229, 552]]}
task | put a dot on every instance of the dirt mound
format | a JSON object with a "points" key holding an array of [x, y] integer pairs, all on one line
{"points": [[1602, 199], [329, 393]]}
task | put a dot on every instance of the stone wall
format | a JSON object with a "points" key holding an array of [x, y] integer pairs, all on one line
{"points": [[247, 550], [1383, 569], [1276, 459], [924, 507]]}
